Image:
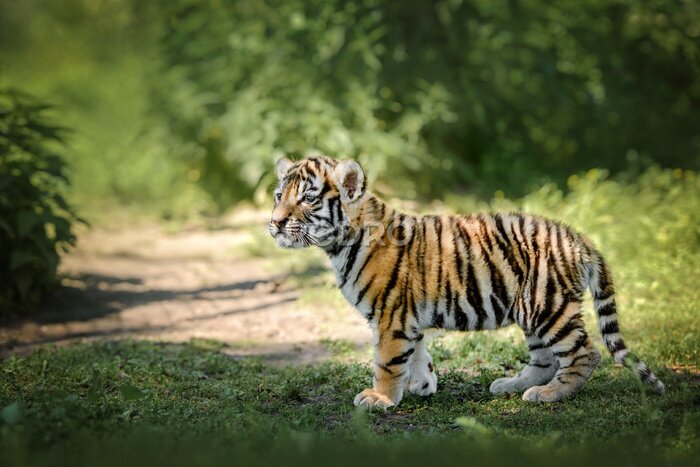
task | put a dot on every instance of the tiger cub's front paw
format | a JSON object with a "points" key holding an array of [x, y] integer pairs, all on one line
{"points": [[371, 398], [423, 383]]}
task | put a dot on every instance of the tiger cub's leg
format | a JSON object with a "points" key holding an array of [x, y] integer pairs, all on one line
{"points": [[393, 352], [576, 355], [423, 380], [540, 370]]}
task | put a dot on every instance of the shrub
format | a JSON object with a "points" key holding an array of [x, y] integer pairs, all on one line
{"points": [[431, 96], [35, 220]]}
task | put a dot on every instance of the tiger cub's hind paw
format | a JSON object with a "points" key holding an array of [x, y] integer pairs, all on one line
{"points": [[548, 393]]}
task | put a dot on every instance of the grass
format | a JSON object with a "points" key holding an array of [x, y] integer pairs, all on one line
{"points": [[113, 391]]}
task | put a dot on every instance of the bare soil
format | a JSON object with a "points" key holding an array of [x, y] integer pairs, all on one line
{"points": [[195, 283]]}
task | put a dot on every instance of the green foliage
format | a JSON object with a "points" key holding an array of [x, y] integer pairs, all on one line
{"points": [[35, 219], [59, 402], [431, 96], [97, 62]]}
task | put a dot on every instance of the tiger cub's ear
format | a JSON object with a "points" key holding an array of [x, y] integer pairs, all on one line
{"points": [[350, 180], [282, 167]]}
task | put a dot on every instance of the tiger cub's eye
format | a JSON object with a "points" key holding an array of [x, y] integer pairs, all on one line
{"points": [[309, 199], [278, 197]]}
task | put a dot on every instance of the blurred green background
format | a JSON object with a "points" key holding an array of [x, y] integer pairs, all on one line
{"points": [[180, 107]]}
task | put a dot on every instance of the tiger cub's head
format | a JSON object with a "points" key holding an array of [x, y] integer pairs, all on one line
{"points": [[316, 200]]}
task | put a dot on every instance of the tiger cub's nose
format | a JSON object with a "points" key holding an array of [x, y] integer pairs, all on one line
{"points": [[279, 223]]}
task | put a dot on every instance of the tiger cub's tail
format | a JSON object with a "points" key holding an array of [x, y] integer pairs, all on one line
{"points": [[601, 286]]}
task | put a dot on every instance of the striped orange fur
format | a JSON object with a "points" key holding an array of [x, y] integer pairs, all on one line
{"points": [[406, 274]]}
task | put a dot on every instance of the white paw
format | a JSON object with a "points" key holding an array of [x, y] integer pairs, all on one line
{"points": [[424, 384], [506, 386], [545, 393], [370, 398]]}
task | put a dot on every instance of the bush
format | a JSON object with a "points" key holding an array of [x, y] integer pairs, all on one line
{"points": [[35, 220], [432, 96]]}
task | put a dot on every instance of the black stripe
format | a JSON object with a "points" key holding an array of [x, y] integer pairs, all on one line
{"points": [[399, 303], [438, 320], [499, 310], [364, 264], [406, 293], [316, 162], [606, 294], [607, 310], [570, 269], [574, 361], [540, 365], [616, 346], [448, 298], [352, 255], [400, 359], [535, 347], [546, 309], [326, 187], [388, 288], [362, 293], [399, 334], [525, 258], [499, 289], [536, 268], [474, 297], [604, 280], [339, 211], [610, 327], [382, 210], [564, 331], [577, 346], [503, 243], [458, 255], [421, 259], [557, 257], [398, 231], [437, 224], [461, 321], [554, 317], [407, 302]]}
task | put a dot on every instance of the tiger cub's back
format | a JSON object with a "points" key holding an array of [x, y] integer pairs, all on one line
{"points": [[484, 271]]}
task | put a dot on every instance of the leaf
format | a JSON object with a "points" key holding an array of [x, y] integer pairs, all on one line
{"points": [[6, 227], [12, 413], [19, 258], [23, 282], [130, 392], [5, 181], [26, 220]]}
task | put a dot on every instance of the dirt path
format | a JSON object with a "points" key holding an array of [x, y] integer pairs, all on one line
{"points": [[145, 283]]}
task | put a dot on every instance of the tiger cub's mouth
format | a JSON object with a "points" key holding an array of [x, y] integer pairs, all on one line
{"points": [[286, 242], [286, 239]]}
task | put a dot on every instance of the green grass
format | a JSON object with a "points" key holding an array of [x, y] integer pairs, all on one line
{"points": [[109, 392]]}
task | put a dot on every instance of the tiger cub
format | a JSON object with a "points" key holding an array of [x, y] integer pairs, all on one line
{"points": [[406, 274]]}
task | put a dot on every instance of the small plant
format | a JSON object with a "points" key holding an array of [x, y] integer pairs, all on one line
{"points": [[35, 220]]}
